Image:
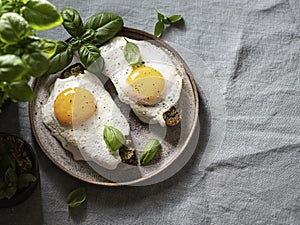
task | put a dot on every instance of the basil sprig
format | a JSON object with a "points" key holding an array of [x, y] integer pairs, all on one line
{"points": [[98, 29], [150, 150], [22, 54], [164, 20], [132, 54], [113, 138], [76, 197]]}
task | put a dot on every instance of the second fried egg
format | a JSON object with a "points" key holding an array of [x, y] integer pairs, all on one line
{"points": [[150, 89]]}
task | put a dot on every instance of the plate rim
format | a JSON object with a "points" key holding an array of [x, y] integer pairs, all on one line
{"points": [[165, 166]]}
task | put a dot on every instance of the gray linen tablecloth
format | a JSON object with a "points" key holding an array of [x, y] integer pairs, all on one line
{"points": [[245, 169]]}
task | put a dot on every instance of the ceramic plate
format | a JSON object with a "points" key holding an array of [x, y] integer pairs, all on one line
{"points": [[174, 140]]}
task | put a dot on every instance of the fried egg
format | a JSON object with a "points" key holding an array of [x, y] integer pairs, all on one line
{"points": [[150, 89], [76, 111]]}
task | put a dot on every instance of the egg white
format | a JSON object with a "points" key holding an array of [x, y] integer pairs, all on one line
{"points": [[117, 69], [85, 141]]}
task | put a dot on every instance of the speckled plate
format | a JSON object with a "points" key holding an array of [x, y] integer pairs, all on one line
{"points": [[174, 140]]}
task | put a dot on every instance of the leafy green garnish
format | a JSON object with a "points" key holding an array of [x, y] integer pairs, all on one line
{"points": [[88, 53], [164, 20], [22, 54], [13, 28], [6, 162], [132, 54], [98, 29], [41, 15], [20, 91], [159, 28], [150, 150], [12, 68], [88, 35], [38, 62], [62, 57], [106, 25], [72, 22], [46, 46], [76, 197], [113, 138], [172, 19], [9, 184], [25, 179]]}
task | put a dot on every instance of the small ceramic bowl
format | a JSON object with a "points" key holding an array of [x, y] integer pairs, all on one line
{"points": [[22, 194]]}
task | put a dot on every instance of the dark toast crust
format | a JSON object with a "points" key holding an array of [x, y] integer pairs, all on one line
{"points": [[128, 154], [72, 70], [172, 116]]}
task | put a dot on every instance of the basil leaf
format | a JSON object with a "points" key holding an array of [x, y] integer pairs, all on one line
{"points": [[12, 68], [97, 66], [106, 25], [76, 197], [159, 28], [150, 150], [13, 28], [7, 7], [20, 91], [132, 54], [34, 44], [2, 47], [13, 49], [72, 21], [25, 179], [172, 19], [113, 138], [62, 57], [88, 54], [160, 16], [38, 62], [41, 14], [88, 36], [162, 20], [75, 43], [48, 47], [10, 191], [11, 176], [6, 162]]}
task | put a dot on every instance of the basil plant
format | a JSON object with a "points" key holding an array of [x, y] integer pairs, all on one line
{"points": [[22, 53]]}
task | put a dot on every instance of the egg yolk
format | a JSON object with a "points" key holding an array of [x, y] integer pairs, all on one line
{"points": [[146, 85], [73, 106]]}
